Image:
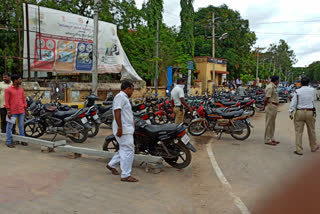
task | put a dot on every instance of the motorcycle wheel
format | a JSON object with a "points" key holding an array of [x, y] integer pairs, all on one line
{"points": [[82, 136], [34, 129], [197, 128], [111, 145], [160, 120], [242, 136], [183, 158], [94, 129]]}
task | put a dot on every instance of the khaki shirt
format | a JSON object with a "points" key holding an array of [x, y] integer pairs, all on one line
{"points": [[3, 87], [272, 93]]}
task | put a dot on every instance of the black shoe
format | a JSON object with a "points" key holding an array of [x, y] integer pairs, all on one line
{"points": [[297, 153], [10, 146]]}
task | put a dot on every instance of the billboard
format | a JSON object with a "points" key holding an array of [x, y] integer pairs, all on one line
{"points": [[63, 42]]}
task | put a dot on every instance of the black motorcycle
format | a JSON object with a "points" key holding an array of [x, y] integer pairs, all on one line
{"points": [[104, 112], [48, 119], [170, 141]]}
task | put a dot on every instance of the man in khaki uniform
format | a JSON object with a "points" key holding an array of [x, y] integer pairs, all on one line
{"points": [[271, 102], [177, 95], [303, 105]]}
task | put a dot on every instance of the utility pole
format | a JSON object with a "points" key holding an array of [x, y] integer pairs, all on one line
{"points": [[274, 66], [213, 57], [157, 63], [279, 73], [257, 71], [269, 69], [95, 48]]}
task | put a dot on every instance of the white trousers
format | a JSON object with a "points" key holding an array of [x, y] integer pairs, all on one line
{"points": [[125, 155]]}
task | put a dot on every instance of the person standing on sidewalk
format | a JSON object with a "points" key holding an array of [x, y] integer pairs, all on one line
{"points": [[177, 95], [15, 103], [271, 102], [123, 129], [303, 105], [6, 83]]}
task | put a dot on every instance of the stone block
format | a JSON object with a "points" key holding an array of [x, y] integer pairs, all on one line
{"points": [[72, 155], [154, 168], [46, 149]]}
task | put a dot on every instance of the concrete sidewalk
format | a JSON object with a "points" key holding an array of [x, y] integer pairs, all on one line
{"points": [[35, 182]]}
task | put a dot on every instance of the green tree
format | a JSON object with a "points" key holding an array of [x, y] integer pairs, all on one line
{"points": [[153, 10], [187, 27], [236, 48]]}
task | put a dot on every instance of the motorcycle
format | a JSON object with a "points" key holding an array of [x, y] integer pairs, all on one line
{"points": [[48, 119], [170, 141], [236, 123]]}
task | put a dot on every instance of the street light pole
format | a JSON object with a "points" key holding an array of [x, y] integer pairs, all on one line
{"points": [[157, 63], [95, 48], [257, 72], [213, 56]]}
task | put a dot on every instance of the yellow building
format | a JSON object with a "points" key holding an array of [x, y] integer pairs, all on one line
{"points": [[205, 72]]}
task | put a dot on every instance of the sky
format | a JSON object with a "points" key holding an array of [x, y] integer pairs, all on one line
{"points": [[296, 22]]}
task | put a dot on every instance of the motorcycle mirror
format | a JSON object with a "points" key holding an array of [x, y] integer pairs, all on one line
{"points": [[57, 90]]}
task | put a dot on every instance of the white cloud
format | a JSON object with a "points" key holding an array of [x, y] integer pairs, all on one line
{"points": [[290, 12]]}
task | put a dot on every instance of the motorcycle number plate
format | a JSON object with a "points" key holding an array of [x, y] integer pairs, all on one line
{"points": [[84, 120], [185, 139], [254, 105], [95, 117]]}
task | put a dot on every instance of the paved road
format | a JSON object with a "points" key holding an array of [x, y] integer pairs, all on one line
{"points": [[254, 169], [35, 182]]}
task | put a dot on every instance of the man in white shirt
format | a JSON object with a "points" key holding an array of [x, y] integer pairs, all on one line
{"points": [[177, 95], [6, 83], [303, 105], [123, 129]]}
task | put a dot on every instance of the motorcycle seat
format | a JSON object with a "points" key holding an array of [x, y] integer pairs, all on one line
{"points": [[64, 114], [156, 129], [228, 103], [232, 114], [243, 102], [107, 103], [103, 109], [233, 109]]}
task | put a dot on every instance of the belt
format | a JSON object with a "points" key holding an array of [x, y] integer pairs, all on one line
{"points": [[178, 106], [276, 104], [306, 109]]}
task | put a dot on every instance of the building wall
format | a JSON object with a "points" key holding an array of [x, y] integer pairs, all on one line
{"points": [[205, 74]]}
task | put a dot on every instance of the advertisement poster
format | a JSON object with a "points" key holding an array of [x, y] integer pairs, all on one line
{"points": [[64, 43]]}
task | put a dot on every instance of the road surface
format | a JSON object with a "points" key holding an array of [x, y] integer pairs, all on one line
{"points": [[35, 182]]}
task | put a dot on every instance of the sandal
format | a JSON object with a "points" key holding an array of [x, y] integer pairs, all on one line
{"points": [[129, 179], [276, 142], [113, 170], [271, 143]]}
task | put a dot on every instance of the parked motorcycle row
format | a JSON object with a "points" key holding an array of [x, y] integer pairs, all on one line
{"points": [[155, 133]]}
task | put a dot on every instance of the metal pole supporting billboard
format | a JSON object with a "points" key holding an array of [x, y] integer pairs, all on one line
{"points": [[95, 48]]}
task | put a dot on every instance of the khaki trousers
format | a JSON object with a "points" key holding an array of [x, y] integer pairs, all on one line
{"points": [[179, 115], [305, 117], [270, 122]]}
